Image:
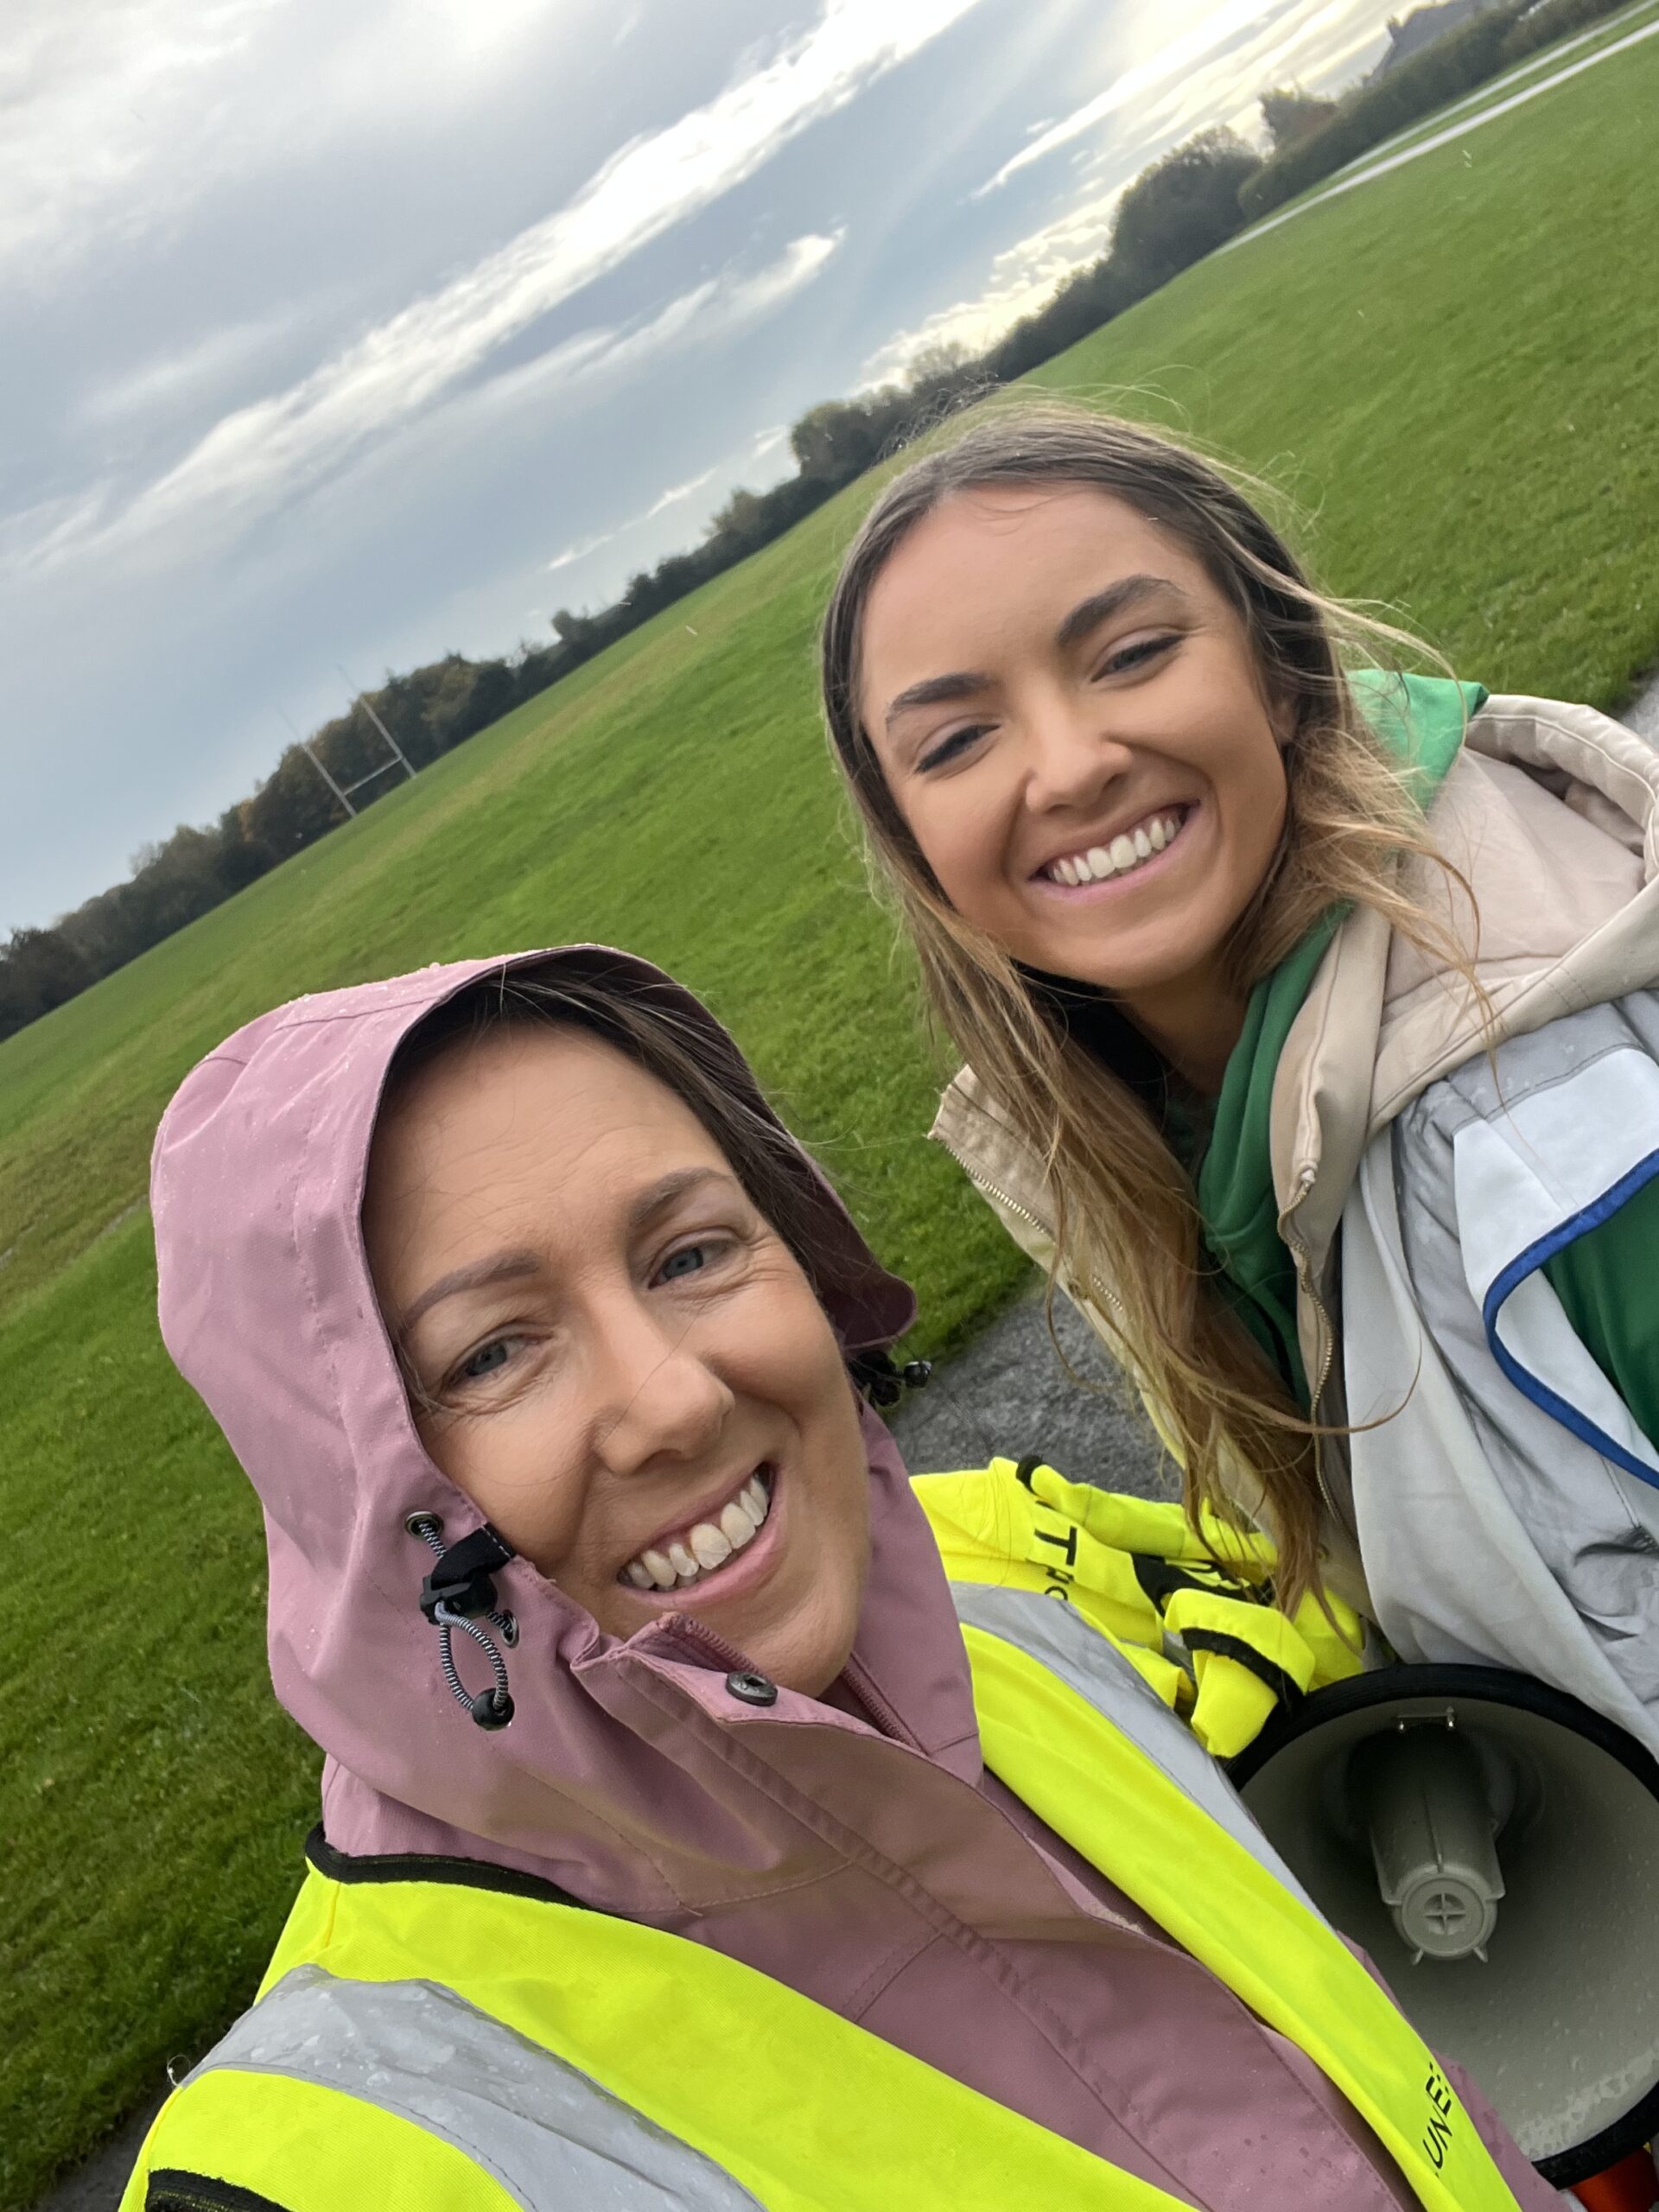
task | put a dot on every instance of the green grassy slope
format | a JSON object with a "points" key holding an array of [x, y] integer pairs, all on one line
{"points": [[1452, 365]]}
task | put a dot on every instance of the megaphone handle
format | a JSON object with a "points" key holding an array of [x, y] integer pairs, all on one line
{"points": [[1631, 2186]]}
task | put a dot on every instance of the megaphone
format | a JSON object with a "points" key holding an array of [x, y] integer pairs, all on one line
{"points": [[1493, 1845]]}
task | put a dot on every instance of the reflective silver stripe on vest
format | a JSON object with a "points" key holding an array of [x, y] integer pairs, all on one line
{"points": [[552, 2138], [1057, 1635]]}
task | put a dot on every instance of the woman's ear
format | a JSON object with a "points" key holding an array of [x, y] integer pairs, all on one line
{"points": [[1281, 716]]}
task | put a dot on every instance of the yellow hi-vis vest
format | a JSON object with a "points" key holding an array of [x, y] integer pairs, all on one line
{"points": [[424, 2041]]}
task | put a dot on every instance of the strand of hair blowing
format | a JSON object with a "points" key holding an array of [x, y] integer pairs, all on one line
{"points": [[1127, 1229]]}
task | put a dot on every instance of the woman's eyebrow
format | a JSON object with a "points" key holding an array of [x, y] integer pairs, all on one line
{"points": [[667, 1190], [961, 683], [516, 1264], [1100, 605]]}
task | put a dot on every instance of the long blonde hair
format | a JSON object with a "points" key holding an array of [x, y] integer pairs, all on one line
{"points": [[1126, 1213]]}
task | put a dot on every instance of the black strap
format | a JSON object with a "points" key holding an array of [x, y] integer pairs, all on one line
{"points": [[1159, 1579], [1233, 1647], [432, 1866]]}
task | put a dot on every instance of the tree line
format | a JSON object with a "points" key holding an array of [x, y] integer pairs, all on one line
{"points": [[1502, 35], [1182, 208]]}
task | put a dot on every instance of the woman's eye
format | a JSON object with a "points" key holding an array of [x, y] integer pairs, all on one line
{"points": [[688, 1261], [1132, 656], [948, 748], [487, 1360]]}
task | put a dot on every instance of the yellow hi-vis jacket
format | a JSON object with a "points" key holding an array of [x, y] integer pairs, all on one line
{"points": [[1163, 1593], [421, 2039]]}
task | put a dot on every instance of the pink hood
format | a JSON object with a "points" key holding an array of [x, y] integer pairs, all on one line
{"points": [[267, 1307]]}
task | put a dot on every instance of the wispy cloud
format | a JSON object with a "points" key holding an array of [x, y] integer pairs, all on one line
{"points": [[83, 103], [676, 493], [1021, 279], [564, 381], [1216, 73], [1170, 62], [265, 453], [176, 380], [1247, 42], [118, 117], [584, 546], [718, 308]]}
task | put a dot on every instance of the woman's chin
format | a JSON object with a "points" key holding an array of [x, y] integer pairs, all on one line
{"points": [[801, 1647]]}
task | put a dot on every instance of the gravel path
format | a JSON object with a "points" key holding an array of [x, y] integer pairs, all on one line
{"points": [[1009, 1393], [1642, 713]]}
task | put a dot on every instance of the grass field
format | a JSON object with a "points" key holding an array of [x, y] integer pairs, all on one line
{"points": [[1451, 367]]}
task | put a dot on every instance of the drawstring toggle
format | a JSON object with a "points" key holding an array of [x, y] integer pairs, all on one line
{"points": [[462, 1586]]}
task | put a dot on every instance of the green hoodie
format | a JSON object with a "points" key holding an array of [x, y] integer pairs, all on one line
{"points": [[1604, 1280]]}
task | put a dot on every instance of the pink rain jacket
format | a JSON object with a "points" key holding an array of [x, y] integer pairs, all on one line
{"points": [[872, 1863]]}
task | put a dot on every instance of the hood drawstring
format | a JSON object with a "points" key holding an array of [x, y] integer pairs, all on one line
{"points": [[460, 1586], [876, 1378]]}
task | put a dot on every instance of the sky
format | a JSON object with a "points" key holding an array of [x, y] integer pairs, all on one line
{"points": [[334, 339]]}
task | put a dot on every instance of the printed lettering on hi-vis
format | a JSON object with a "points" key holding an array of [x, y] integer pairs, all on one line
{"points": [[1064, 1539], [1437, 2136]]}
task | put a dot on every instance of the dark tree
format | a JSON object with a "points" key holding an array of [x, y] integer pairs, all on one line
{"points": [[1290, 113], [1182, 208]]}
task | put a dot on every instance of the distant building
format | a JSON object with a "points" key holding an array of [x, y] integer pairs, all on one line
{"points": [[1409, 35]]}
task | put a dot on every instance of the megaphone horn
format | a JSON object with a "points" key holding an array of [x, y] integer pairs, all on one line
{"points": [[1493, 1844]]}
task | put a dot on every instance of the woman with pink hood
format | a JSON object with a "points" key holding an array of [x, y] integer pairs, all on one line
{"points": [[688, 1838]]}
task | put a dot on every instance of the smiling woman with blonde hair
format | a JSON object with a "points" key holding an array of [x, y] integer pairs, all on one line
{"points": [[1308, 1025]]}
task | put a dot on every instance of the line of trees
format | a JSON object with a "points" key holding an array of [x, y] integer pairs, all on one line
{"points": [[1504, 34], [1179, 209], [428, 711]]}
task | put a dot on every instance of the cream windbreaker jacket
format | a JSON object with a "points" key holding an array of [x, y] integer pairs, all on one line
{"points": [[1508, 1511]]}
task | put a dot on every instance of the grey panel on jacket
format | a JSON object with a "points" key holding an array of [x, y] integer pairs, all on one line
{"points": [[552, 2138], [1055, 1634], [1593, 1524]]}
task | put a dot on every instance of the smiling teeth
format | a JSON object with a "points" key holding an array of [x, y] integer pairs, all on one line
{"points": [[1124, 854], [706, 1546]]}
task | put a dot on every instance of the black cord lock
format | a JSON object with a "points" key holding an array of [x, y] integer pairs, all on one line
{"points": [[462, 1579]]}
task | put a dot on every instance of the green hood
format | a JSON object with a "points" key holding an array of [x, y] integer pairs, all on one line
{"points": [[1421, 720]]}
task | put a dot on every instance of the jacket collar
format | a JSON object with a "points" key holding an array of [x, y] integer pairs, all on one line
{"points": [[1551, 815]]}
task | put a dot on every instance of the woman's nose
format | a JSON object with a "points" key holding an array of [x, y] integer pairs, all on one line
{"points": [[1073, 755], [661, 1398]]}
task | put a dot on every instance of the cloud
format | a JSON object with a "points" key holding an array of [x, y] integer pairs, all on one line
{"points": [[1022, 277], [1252, 44], [174, 380], [262, 455], [584, 546], [488, 415], [676, 493], [91, 523], [119, 117], [83, 103], [1216, 73], [1169, 61]]}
